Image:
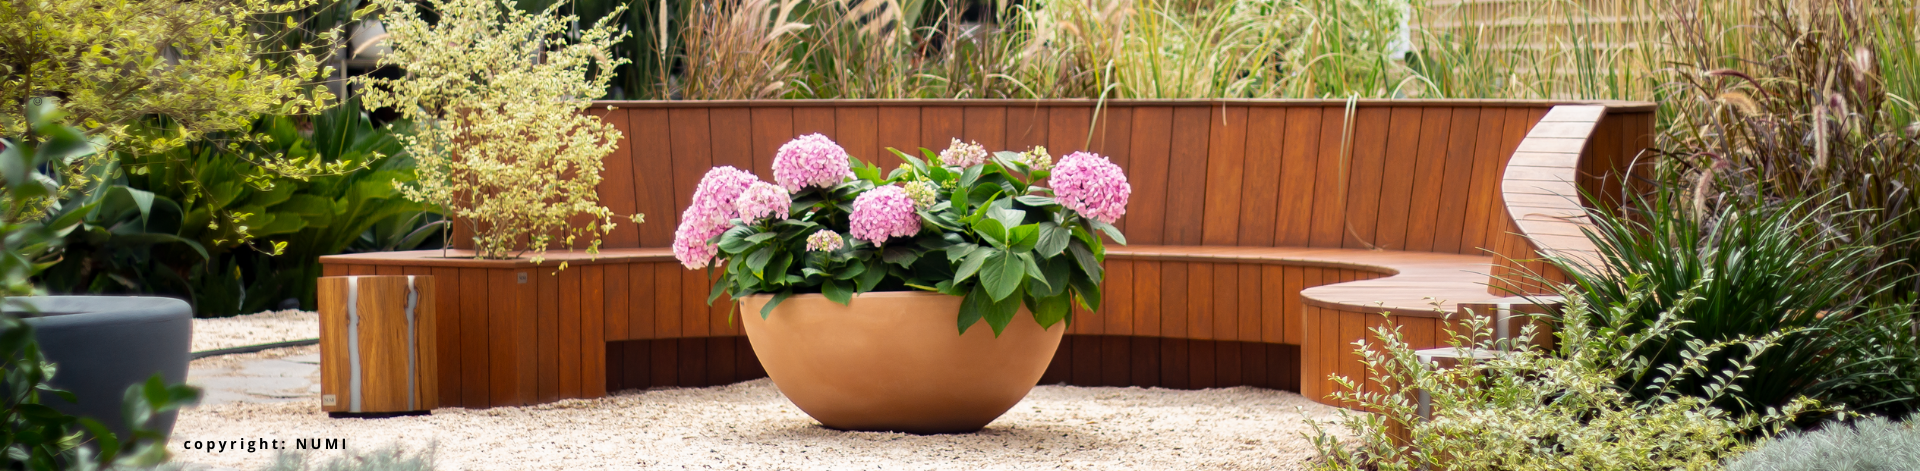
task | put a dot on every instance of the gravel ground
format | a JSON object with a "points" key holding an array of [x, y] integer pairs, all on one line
{"points": [[255, 329], [273, 395], [750, 425]]}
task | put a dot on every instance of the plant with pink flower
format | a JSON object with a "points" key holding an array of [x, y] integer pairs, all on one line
{"points": [[1092, 186], [812, 160], [883, 213], [709, 215], [944, 222], [762, 201]]}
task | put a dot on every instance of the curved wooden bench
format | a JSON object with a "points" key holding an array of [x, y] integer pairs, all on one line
{"points": [[1270, 235]]}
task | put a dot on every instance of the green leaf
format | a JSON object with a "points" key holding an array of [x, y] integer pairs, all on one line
{"points": [[876, 272], [758, 261], [972, 263], [837, 292], [1053, 277], [719, 287], [1051, 310], [1002, 274], [777, 299], [899, 254], [1087, 262], [850, 271], [1053, 239], [1088, 293], [762, 237], [973, 308], [1001, 312], [970, 176], [1002, 210], [735, 240], [1035, 200], [1022, 238], [993, 231], [1109, 230]]}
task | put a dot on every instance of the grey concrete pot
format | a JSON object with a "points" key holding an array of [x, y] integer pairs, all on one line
{"points": [[103, 344]]}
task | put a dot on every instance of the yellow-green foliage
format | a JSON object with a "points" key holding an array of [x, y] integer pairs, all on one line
{"points": [[502, 137], [1564, 409], [111, 62]]}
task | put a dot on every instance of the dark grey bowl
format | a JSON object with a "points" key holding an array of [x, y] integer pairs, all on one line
{"points": [[103, 344]]}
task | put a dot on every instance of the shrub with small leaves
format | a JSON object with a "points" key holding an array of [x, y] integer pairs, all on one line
{"points": [[502, 138], [1563, 409]]}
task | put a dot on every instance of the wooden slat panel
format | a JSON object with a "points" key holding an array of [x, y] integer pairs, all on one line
{"points": [[569, 317], [526, 320], [1429, 174], [1147, 278], [618, 296], [1370, 135], [1225, 166], [1312, 351], [1200, 301], [856, 131], [1266, 129], [1298, 166], [899, 128], [1187, 177], [651, 155], [361, 270], [1174, 306], [1175, 371], [732, 137], [694, 317], [721, 361], [772, 127], [940, 125], [503, 352], [1254, 369], [1227, 361], [1026, 127], [1226, 302], [1274, 311], [665, 358], [386, 270], [1067, 129], [1144, 355], [815, 119], [1251, 305], [446, 306], [593, 333], [1115, 361], [473, 339], [1060, 370], [642, 301], [1480, 199], [1202, 366], [1295, 280], [1353, 327], [1456, 182], [1330, 199], [693, 362], [1086, 361], [1396, 184], [638, 373], [1116, 304], [1419, 332], [988, 126], [666, 308], [1147, 210]]}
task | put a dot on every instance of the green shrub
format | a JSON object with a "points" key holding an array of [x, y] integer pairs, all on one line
{"points": [[1870, 444], [1737, 272], [391, 458], [1564, 409]]}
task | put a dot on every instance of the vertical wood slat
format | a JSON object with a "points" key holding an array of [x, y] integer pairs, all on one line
{"points": [[772, 127], [1152, 131], [547, 287], [1187, 177], [652, 155], [449, 342], [1294, 221], [593, 338], [1328, 226], [1226, 164], [988, 126], [1435, 129], [1261, 178], [1371, 133], [1112, 138], [503, 338], [855, 130], [1456, 181], [1397, 179], [899, 128], [474, 361], [940, 125], [1200, 301]]}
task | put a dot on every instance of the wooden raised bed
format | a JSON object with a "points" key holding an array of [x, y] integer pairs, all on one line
{"points": [[1254, 224]]}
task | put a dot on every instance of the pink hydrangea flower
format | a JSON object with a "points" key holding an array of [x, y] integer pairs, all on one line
{"points": [[825, 241], [963, 154], [1091, 185], [812, 160], [710, 215], [761, 201], [883, 213]]}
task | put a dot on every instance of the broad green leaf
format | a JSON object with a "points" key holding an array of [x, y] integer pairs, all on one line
{"points": [[1035, 200], [735, 240], [1053, 239], [1053, 277], [970, 176], [1088, 293], [973, 308], [1088, 264], [899, 255], [758, 261], [837, 292], [1023, 238], [1109, 230], [762, 237], [993, 231], [876, 271], [1001, 312], [719, 288], [850, 271], [972, 263], [1051, 310], [1003, 211], [1002, 274]]}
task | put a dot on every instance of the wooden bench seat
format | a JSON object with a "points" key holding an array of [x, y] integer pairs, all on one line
{"points": [[1270, 235]]}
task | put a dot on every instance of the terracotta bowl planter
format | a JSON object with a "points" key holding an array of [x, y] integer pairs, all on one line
{"points": [[894, 361]]}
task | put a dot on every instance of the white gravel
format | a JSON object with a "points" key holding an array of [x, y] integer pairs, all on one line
{"points": [[751, 426], [255, 329]]}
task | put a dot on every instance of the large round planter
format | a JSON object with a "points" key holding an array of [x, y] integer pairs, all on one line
{"points": [[103, 344], [895, 361]]}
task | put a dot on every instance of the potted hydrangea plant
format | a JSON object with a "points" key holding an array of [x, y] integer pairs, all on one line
{"points": [[862, 290]]}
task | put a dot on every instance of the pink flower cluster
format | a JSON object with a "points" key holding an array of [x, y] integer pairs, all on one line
{"points": [[963, 155], [761, 201], [825, 241], [883, 213], [710, 215], [1091, 185], [812, 160]]}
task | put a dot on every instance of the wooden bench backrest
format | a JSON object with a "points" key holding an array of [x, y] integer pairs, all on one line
{"points": [[1396, 175]]}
